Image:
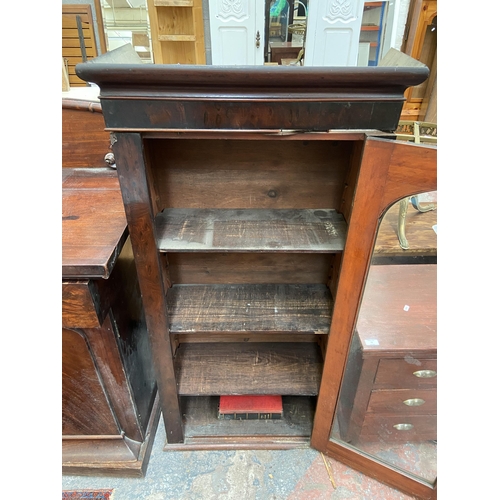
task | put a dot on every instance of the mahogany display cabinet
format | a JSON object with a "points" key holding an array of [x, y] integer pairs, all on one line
{"points": [[253, 197]]}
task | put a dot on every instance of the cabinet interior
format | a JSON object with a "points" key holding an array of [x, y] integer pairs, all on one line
{"points": [[251, 233]]}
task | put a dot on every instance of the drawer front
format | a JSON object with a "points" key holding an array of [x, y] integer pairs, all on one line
{"points": [[408, 373], [414, 428], [403, 402], [80, 305]]}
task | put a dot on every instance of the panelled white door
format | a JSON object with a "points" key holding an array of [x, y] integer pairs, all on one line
{"points": [[333, 28], [237, 31]]}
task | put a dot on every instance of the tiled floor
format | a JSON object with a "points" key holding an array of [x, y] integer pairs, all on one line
{"points": [[298, 474]]}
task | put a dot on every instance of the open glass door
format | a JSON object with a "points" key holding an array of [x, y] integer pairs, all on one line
{"points": [[376, 409]]}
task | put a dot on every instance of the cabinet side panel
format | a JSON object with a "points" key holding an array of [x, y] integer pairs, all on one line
{"points": [[85, 408], [132, 337], [131, 168]]}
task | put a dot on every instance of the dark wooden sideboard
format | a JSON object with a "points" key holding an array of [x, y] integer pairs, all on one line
{"points": [[389, 392], [253, 197], [110, 408]]}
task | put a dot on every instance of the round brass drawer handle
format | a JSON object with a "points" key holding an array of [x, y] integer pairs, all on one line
{"points": [[403, 427], [425, 373], [414, 402]]}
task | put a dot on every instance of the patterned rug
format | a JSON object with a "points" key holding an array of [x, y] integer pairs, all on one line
{"points": [[87, 494]]}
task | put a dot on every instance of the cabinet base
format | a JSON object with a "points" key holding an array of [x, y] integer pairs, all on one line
{"points": [[110, 456], [240, 443], [204, 431]]}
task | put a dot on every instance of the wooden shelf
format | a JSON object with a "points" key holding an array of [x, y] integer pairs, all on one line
{"points": [[173, 3], [251, 230], [283, 368], [203, 429], [177, 32], [370, 28], [176, 38], [292, 309]]}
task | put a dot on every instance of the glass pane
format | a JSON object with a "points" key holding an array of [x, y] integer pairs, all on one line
{"points": [[387, 406]]}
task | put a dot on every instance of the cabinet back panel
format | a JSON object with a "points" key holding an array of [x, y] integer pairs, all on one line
{"points": [[196, 173], [252, 268], [175, 21]]}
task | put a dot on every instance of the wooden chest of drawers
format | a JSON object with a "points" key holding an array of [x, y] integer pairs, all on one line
{"points": [[389, 390], [110, 410]]}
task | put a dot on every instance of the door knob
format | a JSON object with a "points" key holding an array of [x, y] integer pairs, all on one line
{"points": [[257, 39]]}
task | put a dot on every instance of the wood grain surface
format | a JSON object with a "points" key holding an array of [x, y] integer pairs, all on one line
{"points": [[84, 140], [94, 226], [232, 268], [418, 229], [392, 401], [256, 173], [249, 308], [364, 180], [201, 419], [381, 428], [255, 230], [85, 409], [81, 305], [241, 368], [140, 216], [399, 310]]}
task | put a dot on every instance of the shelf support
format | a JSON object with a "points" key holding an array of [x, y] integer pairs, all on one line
{"points": [[131, 168]]}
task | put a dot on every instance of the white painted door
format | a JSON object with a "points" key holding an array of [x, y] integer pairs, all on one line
{"points": [[333, 28], [237, 32]]}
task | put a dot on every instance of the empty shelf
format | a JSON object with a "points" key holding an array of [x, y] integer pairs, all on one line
{"points": [[248, 368], [250, 308], [250, 230]]}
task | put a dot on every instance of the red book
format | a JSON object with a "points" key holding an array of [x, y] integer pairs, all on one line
{"points": [[250, 407]]}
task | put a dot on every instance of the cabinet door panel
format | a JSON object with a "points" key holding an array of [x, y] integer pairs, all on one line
{"points": [[85, 408]]}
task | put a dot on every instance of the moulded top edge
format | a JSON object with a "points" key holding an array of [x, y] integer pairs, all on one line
{"points": [[302, 77]]}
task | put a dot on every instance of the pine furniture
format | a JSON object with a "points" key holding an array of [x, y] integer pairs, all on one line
{"points": [[78, 39], [420, 42], [177, 32]]}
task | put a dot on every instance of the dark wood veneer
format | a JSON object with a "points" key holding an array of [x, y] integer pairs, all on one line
{"points": [[109, 406], [84, 140], [157, 112], [399, 313]]}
